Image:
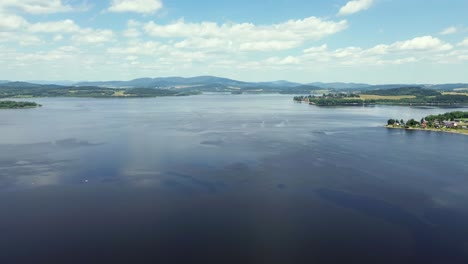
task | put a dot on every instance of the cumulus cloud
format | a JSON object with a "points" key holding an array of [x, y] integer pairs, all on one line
{"points": [[308, 28], [64, 26], [422, 43], [11, 22], [247, 36], [289, 60], [464, 43], [92, 36], [136, 6], [313, 50], [21, 39], [400, 52], [133, 29], [449, 31], [355, 6], [139, 48], [18, 26], [35, 6], [268, 45]]}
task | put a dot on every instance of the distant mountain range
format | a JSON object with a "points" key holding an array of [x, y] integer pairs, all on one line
{"points": [[218, 84], [179, 82], [206, 84], [168, 82]]}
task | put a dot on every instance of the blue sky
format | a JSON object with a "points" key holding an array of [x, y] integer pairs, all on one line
{"points": [[372, 41]]}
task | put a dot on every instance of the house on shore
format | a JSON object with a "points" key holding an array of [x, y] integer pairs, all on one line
{"points": [[450, 124]]}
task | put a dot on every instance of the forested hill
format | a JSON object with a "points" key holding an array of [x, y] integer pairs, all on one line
{"points": [[21, 90], [414, 91]]}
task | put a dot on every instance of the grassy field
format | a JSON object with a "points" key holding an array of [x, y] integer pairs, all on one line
{"points": [[380, 97], [456, 93], [119, 93]]}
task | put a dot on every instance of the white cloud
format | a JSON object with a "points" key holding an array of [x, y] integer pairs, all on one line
{"points": [[425, 43], [269, 45], [355, 6], [449, 31], [403, 61], [81, 35], [211, 44], [35, 6], [421, 43], [58, 38], [247, 36], [139, 48], [464, 43], [313, 50], [91, 36], [59, 54], [347, 52], [64, 26], [309, 28], [20, 38], [288, 61], [400, 52], [137, 6], [131, 33], [11, 22], [132, 30]]}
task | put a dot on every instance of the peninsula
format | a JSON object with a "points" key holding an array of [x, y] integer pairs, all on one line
{"points": [[394, 96], [453, 122]]}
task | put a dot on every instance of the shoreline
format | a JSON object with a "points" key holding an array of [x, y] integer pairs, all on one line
{"points": [[453, 131], [454, 105]]}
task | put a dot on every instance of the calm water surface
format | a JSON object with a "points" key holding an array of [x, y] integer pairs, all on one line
{"points": [[231, 179]]}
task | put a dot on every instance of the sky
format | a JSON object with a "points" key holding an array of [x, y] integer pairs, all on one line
{"points": [[365, 41]]}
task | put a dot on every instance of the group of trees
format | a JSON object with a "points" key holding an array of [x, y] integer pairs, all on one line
{"points": [[340, 101], [334, 99], [13, 104], [415, 91], [395, 121], [340, 95], [448, 116], [412, 123]]}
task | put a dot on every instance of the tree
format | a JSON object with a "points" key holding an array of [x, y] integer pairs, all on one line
{"points": [[391, 122], [412, 122]]}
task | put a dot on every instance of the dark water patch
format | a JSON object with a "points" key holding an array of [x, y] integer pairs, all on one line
{"points": [[204, 184], [212, 142], [73, 142], [428, 244]]}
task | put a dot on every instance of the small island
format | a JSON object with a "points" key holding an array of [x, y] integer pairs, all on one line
{"points": [[453, 122], [17, 105]]}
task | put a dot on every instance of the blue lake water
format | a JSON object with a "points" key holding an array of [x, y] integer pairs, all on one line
{"points": [[230, 179]]}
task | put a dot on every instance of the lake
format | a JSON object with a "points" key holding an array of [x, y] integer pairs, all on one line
{"points": [[228, 179]]}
